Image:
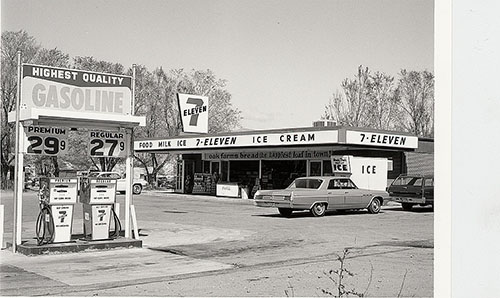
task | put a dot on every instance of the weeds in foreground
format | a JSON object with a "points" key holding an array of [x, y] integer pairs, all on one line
{"points": [[339, 276], [289, 291], [402, 283]]}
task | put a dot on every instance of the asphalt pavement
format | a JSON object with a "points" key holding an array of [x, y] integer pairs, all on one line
{"points": [[210, 246]]}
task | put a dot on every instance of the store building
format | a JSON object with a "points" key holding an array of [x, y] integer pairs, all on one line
{"points": [[270, 159]]}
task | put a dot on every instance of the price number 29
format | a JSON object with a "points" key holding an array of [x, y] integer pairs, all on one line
{"points": [[46, 145]]}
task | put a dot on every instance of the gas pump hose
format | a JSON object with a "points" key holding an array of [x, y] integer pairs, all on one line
{"points": [[44, 226], [118, 226]]}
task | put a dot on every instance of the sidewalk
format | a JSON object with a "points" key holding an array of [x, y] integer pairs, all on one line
{"points": [[97, 269], [91, 269]]}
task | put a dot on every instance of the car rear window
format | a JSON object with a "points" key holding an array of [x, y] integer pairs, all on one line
{"points": [[307, 183], [409, 181]]}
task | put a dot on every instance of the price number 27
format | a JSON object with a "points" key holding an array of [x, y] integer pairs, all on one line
{"points": [[107, 148]]}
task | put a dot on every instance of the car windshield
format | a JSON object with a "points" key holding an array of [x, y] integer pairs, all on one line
{"points": [[306, 183], [93, 174]]}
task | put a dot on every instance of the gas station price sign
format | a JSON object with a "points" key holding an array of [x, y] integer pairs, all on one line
{"points": [[108, 144], [45, 140]]}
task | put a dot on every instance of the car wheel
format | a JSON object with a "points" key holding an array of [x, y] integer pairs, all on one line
{"points": [[285, 211], [318, 209], [406, 206], [374, 206], [136, 189]]}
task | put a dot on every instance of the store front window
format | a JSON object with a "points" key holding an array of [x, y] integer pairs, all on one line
{"points": [[315, 167], [244, 172], [327, 168], [278, 174]]}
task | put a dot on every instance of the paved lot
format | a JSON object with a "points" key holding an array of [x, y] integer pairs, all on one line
{"points": [[206, 246]]}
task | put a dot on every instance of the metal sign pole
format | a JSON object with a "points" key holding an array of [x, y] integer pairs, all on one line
{"points": [[18, 171], [129, 166], [128, 182]]}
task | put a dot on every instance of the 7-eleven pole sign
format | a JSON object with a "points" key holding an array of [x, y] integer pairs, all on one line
{"points": [[194, 112]]}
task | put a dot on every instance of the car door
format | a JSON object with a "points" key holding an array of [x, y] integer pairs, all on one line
{"points": [[429, 189], [335, 195], [353, 196]]}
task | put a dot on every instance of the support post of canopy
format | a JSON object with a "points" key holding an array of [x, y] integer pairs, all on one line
{"points": [[18, 170], [129, 172], [129, 163]]}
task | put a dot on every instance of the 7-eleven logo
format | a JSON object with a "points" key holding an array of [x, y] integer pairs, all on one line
{"points": [[194, 112]]}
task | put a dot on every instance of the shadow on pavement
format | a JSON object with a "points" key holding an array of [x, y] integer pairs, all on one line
{"points": [[416, 209], [300, 214]]}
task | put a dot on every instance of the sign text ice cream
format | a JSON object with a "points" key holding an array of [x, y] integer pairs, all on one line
{"points": [[270, 139]]}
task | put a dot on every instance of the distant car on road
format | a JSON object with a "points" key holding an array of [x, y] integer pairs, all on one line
{"points": [[137, 184], [319, 194], [410, 190]]}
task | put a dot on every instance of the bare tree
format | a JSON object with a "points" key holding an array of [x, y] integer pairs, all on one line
{"points": [[383, 104], [150, 90], [415, 93], [11, 43], [377, 101], [352, 105]]}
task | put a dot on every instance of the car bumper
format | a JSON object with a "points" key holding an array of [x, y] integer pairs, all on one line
{"points": [[276, 204], [410, 200]]}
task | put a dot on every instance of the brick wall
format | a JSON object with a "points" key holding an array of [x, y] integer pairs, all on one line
{"points": [[419, 163]]}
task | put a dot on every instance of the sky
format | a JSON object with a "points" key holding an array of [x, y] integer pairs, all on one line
{"points": [[282, 59]]}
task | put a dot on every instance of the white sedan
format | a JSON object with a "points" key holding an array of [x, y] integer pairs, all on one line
{"points": [[319, 194]]}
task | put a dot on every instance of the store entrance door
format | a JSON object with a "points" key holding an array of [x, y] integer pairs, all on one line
{"points": [[315, 168], [188, 176], [179, 179]]}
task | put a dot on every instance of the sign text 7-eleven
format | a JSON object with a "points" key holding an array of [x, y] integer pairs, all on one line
{"points": [[194, 112]]}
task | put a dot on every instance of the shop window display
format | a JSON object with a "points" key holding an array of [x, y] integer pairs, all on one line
{"points": [[245, 174], [280, 174]]}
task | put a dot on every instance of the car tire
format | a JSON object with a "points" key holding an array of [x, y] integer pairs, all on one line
{"points": [[136, 189], [406, 206], [286, 212], [318, 209], [375, 206]]}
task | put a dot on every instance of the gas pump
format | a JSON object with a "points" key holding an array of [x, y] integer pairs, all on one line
{"points": [[57, 197], [98, 196]]}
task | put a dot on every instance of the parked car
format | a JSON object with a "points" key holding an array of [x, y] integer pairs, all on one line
{"points": [[166, 181], [137, 184], [319, 194], [410, 190]]}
